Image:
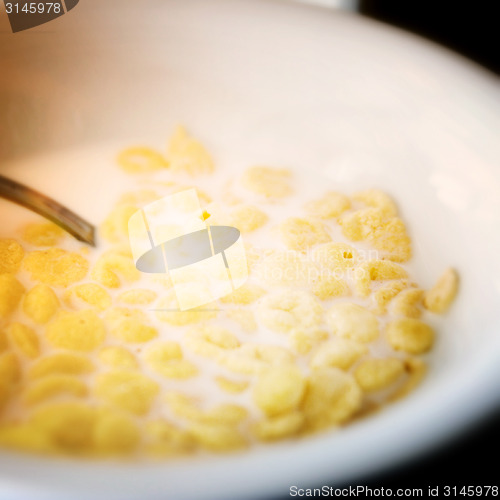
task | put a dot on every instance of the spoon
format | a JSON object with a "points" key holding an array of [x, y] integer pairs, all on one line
{"points": [[48, 208]]}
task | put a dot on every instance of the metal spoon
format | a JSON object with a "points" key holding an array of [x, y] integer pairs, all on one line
{"points": [[48, 208]]}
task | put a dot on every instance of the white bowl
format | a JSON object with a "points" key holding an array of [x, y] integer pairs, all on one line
{"points": [[283, 84]]}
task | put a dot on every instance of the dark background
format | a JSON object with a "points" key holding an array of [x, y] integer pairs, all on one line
{"points": [[470, 27], [473, 29], [469, 460]]}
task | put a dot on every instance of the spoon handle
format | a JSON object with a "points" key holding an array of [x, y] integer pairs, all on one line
{"points": [[48, 208]]}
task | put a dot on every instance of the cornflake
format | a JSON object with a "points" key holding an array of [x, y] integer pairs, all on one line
{"points": [[269, 182], [40, 304], [376, 374], [56, 267], [353, 321], [301, 234], [439, 298], [329, 206], [11, 255], [129, 391], [79, 331], [44, 234], [25, 339], [11, 292], [410, 335]]}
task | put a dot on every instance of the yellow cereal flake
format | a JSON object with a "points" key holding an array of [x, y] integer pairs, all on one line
{"points": [[251, 358], [24, 437], [61, 364], [68, 425], [255, 255], [133, 330], [115, 227], [279, 427], [185, 154], [408, 303], [4, 344], [167, 439], [248, 218], [439, 298], [217, 437], [245, 294], [25, 339], [279, 390], [163, 353], [231, 386], [302, 341], [79, 331], [183, 406], [40, 304], [10, 368], [113, 267], [4, 398], [377, 199], [11, 292], [178, 369], [167, 310], [336, 256], [376, 374], [115, 315], [187, 407], [139, 159], [385, 233], [328, 287], [301, 234], [118, 357], [331, 205], [53, 386], [11, 255], [129, 391], [385, 293], [244, 318], [87, 294], [43, 234], [166, 358], [269, 182], [225, 413], [290, 310], [56, 267], [410, 335], [115, 434], [353, 321], [139, 197], [211, 341], [377, 270], [338, 353], [332, 397], [138, 296], [416, 369]]}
